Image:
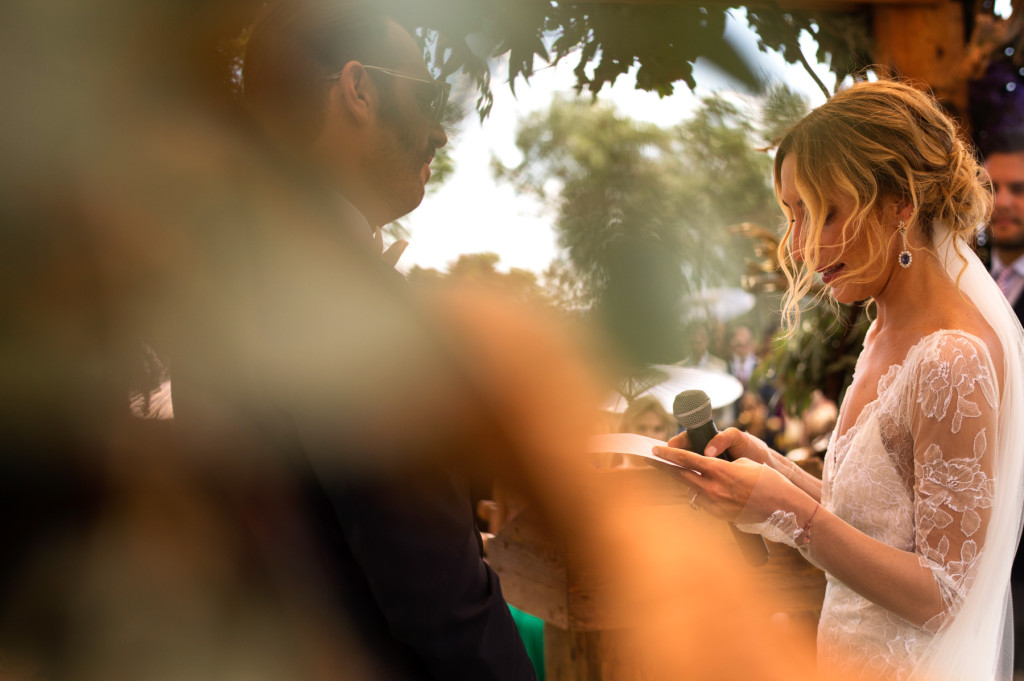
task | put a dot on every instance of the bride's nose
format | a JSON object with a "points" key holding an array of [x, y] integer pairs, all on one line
{"points": [[798, 240]]}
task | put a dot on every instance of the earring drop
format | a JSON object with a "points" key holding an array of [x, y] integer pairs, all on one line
{"points": [[905, 256]]}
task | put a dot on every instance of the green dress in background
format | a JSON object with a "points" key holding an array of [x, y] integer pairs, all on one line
{"points": [[531, 629]]}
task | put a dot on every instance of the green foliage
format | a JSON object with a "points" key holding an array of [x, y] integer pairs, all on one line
{"points": [[821, 354], [565, 290], [663, 40], [643, 213], [607, 175], [441, 169], [606, 39], [612, 180], [843, 38], [782, 108]]}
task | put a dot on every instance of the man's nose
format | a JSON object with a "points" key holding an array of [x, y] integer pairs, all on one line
{"points": [[438, 137], [1002, 198]]}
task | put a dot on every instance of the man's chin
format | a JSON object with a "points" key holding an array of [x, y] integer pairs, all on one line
{"points": [[415, 198]]}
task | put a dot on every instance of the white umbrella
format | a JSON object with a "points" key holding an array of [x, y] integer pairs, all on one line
{"points": [[719, 303], [665, 381]]}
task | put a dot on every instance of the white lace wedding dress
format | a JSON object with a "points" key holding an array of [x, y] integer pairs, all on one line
{"points": [[933, 500], [934, 467]]}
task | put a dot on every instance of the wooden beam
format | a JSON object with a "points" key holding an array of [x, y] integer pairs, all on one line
{"points": [[924, 44]]}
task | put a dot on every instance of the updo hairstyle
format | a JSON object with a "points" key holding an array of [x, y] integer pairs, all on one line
{"points": [[880, 145]]}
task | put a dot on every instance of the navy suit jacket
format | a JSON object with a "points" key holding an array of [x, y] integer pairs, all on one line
{"points": [[400, 549], [1017, 574]]}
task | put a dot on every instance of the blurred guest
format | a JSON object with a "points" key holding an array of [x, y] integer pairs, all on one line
{"points": [[646, 416], [744, 364], [753, 416], [700, 356], [743, 358], [719, 337], [1004, 162]]}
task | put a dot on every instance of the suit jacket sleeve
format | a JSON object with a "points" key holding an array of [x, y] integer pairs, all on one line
{"points": [[416, 542]]}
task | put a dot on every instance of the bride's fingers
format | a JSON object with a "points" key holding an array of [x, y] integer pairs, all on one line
{"points": [[680, 441], [682, 457], [728, 439]]}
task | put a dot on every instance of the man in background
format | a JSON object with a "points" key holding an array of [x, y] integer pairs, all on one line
{"points": [[743, 360], [1005, 165], [700, 356], [1004, 162]]}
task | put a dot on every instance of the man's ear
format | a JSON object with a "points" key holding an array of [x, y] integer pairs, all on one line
{"points": [[355, 92]]}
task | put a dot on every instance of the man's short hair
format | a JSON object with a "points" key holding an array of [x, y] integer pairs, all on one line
{"points": [[293, 48], [1002, 142]]}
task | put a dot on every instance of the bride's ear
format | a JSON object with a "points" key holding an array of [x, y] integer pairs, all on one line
{"points": [[904, 212]]}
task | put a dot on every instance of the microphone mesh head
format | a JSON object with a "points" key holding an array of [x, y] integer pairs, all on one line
{"points": [[692, 408]]}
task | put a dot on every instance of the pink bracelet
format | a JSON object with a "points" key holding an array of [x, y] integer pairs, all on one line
{"points": [[803, 537]]}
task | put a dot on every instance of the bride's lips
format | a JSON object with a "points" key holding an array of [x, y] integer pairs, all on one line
{"points": [[829, 273]]}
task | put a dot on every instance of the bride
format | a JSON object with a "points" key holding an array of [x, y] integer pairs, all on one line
{"points": [[918, 513]]}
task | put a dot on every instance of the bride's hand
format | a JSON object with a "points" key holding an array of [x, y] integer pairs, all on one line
{"points": [[720, 487], [739, 444]]}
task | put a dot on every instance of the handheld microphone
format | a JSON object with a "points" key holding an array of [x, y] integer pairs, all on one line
{"points": [[692, 408]]}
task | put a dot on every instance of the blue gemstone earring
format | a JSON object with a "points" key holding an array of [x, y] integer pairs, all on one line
{"points": [[905, 257]]}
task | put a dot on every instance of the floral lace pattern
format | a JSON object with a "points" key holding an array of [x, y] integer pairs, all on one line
{"points": [[780, 527], [912, 472]]}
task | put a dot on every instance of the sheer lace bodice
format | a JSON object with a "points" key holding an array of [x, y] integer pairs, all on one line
{"points": [[914, 472]]}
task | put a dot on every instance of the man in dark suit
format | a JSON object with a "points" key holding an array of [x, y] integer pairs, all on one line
{"points": [[1004, 161], [341, 95]]}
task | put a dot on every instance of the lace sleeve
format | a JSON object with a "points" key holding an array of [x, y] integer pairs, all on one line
{"points": [[953, 421]]}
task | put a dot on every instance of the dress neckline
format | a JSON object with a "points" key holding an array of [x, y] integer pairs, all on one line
{"points": [[894, 370]]}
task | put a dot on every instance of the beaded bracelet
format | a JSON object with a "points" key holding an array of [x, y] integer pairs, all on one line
{"points": [[803, 537]]}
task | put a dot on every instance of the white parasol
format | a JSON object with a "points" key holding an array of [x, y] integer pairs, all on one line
{"points": [[719, 303], [665, 381]]}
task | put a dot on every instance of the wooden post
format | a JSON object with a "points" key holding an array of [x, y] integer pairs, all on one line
{"points": [[925, 43], [585, 632]]}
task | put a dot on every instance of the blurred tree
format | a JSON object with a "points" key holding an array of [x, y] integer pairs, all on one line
{"points": [[480, 270], [782, 108], [955, 42], [662, 39], [643, 212]]}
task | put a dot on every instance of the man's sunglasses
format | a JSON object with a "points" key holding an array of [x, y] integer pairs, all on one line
{"points": [[439, 90]]}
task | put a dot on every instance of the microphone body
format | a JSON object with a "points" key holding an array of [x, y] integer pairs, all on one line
{"points": [[700, 435], [692, 409]]}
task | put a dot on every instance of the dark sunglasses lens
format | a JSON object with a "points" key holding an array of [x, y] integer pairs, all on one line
{"points": [[443, 90], [429, 97]]}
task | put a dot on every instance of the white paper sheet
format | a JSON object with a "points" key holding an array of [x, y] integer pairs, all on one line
{"points": [[627, 443]]}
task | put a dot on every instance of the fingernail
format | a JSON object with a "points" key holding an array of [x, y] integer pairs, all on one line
{"points": [[710, 450]]}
